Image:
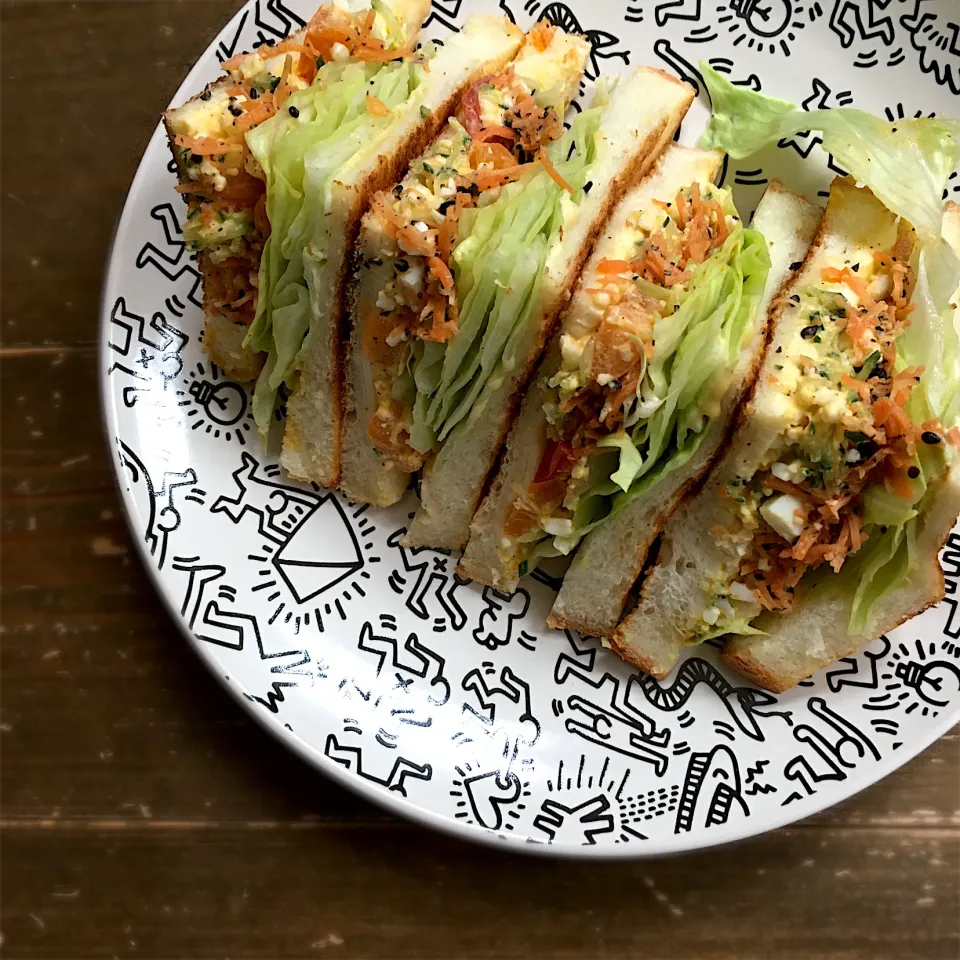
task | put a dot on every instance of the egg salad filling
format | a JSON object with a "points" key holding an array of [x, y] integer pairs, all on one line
{"points": [[843, 482], [645, 360], [222, 179], [465, 234]]}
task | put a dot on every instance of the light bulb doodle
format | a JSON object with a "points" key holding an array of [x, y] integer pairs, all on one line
{"points": [[913, 680], [224, 403], [761, 22], [766, 18], [217, 406], [936, 682]]}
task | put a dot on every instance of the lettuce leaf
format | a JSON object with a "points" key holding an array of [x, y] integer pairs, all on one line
{"points": [[905, 163], [697, 346], [498, 266], [300, 156]]}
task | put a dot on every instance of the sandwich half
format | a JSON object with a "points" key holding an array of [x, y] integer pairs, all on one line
{"points": [[403, 300], [663, 335], [337, 142], [598, 584], [518, 253], [819, 529], [222, 183]]}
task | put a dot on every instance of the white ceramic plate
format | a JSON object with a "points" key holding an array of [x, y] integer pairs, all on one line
{"points": [[449, 703]]}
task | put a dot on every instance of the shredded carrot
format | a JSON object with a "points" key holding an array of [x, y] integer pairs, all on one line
{"points": [[490, 133], [411, 240], [682, 212], [255, 112], [784, 486], [376, 106], [553, 172], [442, 272], [953, 435], [613, 266], [806, 540], [383, 210], [541, 35], [284, 87], [715, 206], [855, 283], [206, 146]]}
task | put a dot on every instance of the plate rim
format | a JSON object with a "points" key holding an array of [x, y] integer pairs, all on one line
{"points": [[401, 806]]}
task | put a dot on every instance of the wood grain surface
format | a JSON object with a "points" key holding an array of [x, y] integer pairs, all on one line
{"points": [[142, 814]]}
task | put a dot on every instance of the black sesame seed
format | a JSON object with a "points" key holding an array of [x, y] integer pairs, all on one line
{"points": [[254, 93], [779, 349], [445, 206], [235, 110], [573, 147], [808, 332], [206, 95], [401, 265], [294, 112], [196, 158], [588, 186], [913, 472], [796, 265], [928, 436], [856, 268]]}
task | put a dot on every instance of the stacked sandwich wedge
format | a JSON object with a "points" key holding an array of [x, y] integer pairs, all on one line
{"points": [[662, 339], [222, 181], [333, 139], [438, 375], [420, 242], [819, 529]]}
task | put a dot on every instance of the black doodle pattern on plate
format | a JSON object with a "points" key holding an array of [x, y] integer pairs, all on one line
{"points": [[866, 29], [934, 29], [317, 613]]}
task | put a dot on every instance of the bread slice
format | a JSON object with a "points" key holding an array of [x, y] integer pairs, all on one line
{"points": [[367, 476], [597, 586], [485, 559], [653, 636], [640, 120], [312, 439], [206, 114]]}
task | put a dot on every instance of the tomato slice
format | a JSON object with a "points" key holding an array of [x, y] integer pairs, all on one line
{"points": [[558, 458]]}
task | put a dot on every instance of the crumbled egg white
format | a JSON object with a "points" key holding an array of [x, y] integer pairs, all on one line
{"points": [[785, 514], [740, 591], [413, 278]]}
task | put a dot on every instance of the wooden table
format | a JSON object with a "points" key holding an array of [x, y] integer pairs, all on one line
{"points": [[143, 814]]}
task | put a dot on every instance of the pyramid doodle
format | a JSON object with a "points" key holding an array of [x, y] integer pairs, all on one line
{"points": [[324, 531]]}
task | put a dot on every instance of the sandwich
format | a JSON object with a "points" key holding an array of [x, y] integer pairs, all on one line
{"points": [[409, 242], [338, 142], [525, 223], [227, 225], [662, 338], [819, 528]]}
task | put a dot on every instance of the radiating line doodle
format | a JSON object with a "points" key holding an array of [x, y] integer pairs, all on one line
{"points": [[934, 29]]}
